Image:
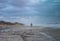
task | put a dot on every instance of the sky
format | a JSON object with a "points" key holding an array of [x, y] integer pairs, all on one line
{"points": [[38, 12]]}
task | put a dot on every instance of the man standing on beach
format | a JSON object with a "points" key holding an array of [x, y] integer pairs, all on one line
{"points": [[31, 24]]}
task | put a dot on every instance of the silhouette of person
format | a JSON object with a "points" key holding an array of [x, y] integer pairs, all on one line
{"points": [[31, 24]]}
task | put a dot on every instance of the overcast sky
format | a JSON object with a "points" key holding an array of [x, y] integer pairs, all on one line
{"points": [[39, 12]]}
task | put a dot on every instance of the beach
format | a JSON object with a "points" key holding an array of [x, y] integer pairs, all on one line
{"points": [[27, 33]]}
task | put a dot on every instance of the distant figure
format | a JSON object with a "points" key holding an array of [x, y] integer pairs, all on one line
{"points": [[31, 24]]}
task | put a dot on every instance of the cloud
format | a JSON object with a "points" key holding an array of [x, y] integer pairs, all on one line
{"points": [[40, 11], [56, 0], [1, 17], [39, 20], [23, 8], [3, 1], [18, 2], [30, 7]]}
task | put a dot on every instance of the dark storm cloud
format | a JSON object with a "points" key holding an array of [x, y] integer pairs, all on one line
{"points": [[18, 2], [49, 7], [47, 11], [15, 7], [42, 7], [3, 1]]}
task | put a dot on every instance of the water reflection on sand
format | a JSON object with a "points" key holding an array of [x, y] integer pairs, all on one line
{"points": [[29, 34]]}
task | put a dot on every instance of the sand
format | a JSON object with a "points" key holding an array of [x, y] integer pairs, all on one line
{"points": [[26, 33]]}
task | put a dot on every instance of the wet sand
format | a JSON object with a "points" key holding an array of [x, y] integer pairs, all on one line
{"points": [[30, 34]]}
